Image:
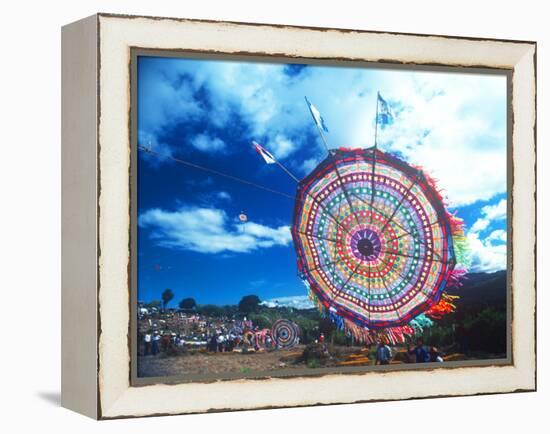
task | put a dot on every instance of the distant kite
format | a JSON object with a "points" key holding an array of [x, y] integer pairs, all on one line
{"points": [[285, 333]]}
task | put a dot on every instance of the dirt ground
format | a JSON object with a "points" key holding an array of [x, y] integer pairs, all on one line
{"points": [[219, 363], [202, 363]]}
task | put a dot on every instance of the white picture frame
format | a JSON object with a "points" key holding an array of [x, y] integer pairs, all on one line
{"points": [[96, 295]]}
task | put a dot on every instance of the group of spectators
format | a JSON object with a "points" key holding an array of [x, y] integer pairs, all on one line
{"points": [[222, 341], [216, 341], [151, 343], [154, 342], [419, 353]]}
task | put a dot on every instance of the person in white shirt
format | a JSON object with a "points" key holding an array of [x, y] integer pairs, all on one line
{"points": [[147, 340], [220, 340], [155, 344], [435, 355]]}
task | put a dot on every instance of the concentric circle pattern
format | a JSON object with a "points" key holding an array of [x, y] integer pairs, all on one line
{"points": [[285, 333], [372, 238]]}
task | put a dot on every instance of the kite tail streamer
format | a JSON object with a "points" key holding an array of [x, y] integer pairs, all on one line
{"points": [[460, 242], [433, 183], [396, 335], [389, 336], [359, 333], [337, 320], [311, 295], [457, 225], [421, 323], [456, 277], [444, 307]]}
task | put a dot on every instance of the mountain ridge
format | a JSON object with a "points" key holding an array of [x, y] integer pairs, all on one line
{"points": [[482, 288]]}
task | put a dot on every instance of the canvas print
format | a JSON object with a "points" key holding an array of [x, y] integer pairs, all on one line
{"points": [[296, 218]]}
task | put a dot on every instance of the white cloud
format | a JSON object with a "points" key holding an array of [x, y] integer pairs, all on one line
{"points": [[488, 253], [224, 195], [452, 124], [163, 98], [497, 235], [458, 135], [209, 230], [309, 164], [480, 225], [296, 302], [206, 143], [489, 213], [485, 255], [495, 212], [281, 146]]}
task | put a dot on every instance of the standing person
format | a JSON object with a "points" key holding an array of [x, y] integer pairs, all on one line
{"points": [[420, 352], [220, 339], [165, 341], [213, 343], [155, 345], [321, 338], [383, 354], [230, 342], [147, 341]]}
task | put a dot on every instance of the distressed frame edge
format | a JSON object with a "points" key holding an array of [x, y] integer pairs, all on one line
{"points": [[112, 411], [79, 141], [315, 28]]}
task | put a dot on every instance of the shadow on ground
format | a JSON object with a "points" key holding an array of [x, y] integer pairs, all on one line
{"points": [[52, 398]]}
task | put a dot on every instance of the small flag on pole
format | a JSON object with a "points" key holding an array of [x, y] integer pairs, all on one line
{"points": [[385, 114], [266, 155], [317, 116]]}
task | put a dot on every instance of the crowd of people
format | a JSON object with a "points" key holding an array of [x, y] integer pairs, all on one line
{"points": [[257, 339], [172, 331], [154, 342], [418, 353], [168, 331], [218, 341]]}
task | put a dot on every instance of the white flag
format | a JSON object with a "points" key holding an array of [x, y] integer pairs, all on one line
{"points": [[266, 155], [317, 116]]}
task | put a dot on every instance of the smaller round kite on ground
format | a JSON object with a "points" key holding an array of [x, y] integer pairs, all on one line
{"points": [[285, 333]]}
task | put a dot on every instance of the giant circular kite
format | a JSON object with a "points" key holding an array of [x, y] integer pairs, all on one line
{"points": [[285, 333], [375, 244]]}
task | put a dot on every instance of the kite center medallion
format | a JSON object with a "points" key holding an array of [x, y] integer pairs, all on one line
{"points": [[365, 245]]}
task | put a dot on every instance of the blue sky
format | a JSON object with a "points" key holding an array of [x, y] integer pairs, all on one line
{"points": [[208, 112]]}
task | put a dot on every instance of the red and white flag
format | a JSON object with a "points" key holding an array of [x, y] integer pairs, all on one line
{"points": [[266, 155]]}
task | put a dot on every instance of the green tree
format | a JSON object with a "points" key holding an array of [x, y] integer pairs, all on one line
{"points": [[249, 304], [487, 330], [308, 328], [187, 304], [262, 321], [210, 310], [167, 297]]}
